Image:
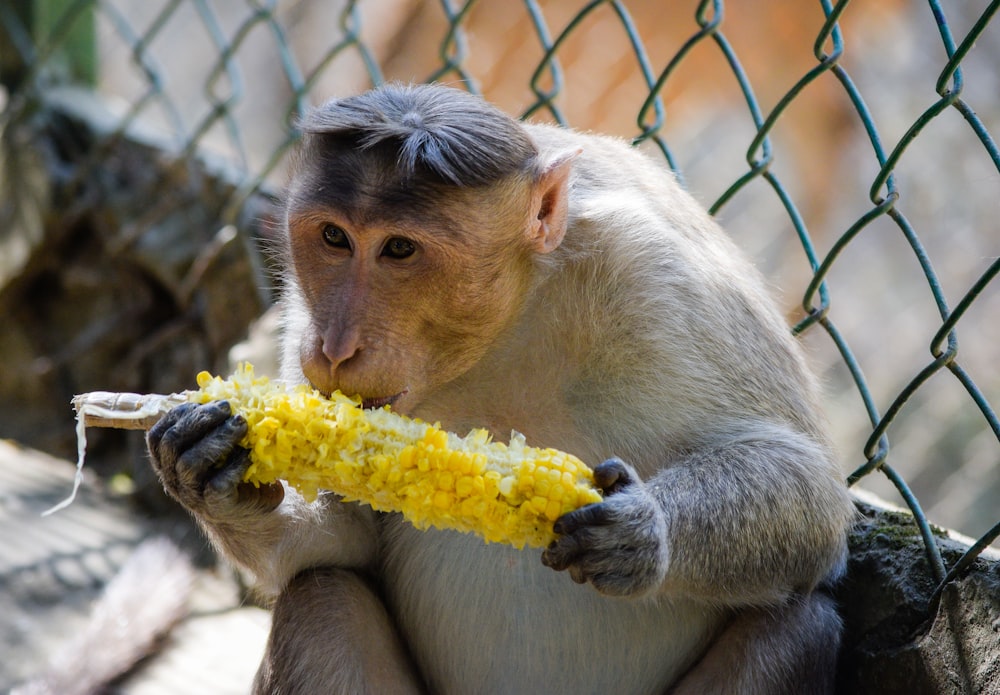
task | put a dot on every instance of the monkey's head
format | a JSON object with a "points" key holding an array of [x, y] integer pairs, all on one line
{"points": [[414, 217]]}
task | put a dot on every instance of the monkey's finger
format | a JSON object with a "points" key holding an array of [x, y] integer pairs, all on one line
{"points": [[210, 452], [570, 548], [225, 487], [596, 560], [156, 432], [561, 553], [184, 431], [224, 480], [600, 514], [613, 475], [576, 554], [161, 459]]}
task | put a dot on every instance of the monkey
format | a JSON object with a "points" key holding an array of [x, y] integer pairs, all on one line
{"points": [[463, 267]]}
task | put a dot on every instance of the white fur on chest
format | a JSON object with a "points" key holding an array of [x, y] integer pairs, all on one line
{"points": [[521, 627]]}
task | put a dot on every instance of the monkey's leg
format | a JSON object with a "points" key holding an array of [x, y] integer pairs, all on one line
{"points": [[776, 650], [332, 634]]}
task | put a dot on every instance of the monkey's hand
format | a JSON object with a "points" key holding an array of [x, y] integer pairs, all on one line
{"points": [[194, 449], [619, 545], [272, 532]]}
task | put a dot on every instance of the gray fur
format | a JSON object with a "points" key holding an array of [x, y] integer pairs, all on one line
{"points": [[454, 137]]}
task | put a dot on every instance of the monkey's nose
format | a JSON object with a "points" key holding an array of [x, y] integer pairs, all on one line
{"points": [[341, 346]]}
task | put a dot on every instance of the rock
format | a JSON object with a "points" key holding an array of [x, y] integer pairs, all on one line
{"points": [[897, 640], [129, 276]]}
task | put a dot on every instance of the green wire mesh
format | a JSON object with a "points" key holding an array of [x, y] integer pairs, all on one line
{"points": [[551, 33]]}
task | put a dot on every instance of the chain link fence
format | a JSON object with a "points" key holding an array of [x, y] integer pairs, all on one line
{"points": [[847, 146]]}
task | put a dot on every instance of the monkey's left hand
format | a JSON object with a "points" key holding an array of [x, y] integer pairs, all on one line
{"points": [[619, 545]]}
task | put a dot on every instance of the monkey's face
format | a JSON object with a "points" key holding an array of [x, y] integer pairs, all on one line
{"points": [[404, 298]]}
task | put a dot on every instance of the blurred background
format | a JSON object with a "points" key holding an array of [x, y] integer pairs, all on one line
{"points": [[848, 148]]}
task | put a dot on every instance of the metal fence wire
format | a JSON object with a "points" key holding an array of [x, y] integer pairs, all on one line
{"points": [[839, 142]]}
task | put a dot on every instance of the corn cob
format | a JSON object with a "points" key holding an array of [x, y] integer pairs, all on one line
{"points": [[507, 493]]}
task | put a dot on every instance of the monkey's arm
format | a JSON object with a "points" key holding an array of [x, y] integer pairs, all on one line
{"points": [[748, 521], [268, 530]]}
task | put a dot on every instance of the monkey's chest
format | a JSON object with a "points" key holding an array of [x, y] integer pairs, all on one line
{"points": [[491, 619]]}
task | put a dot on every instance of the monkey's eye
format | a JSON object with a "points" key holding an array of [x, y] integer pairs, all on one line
{"points": [[398, 248], [336, 237]]}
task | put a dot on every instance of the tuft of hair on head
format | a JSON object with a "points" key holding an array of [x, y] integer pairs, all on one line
{"points": [[444, 132]]}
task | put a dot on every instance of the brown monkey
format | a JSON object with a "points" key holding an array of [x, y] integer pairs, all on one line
{"points": [[476, 271]]}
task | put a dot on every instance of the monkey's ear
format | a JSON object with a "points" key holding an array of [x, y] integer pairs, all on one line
{"points": [[550, 202]]}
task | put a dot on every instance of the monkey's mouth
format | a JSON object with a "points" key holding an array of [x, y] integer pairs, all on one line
{"points": [[373, 403]]}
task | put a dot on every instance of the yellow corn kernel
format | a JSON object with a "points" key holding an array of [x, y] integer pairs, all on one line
{"points": [[509, 493]]}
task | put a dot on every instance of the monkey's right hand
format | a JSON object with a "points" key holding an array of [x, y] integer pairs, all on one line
{"points": [[196, 454]]}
